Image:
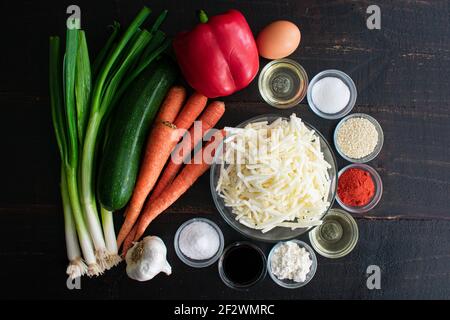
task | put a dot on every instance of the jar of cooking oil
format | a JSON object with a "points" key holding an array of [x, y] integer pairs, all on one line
{"points": [[336, 236], [283, 83]]}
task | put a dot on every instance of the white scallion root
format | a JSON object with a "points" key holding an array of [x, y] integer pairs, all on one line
{"points": [[76, 268], [113, 260], [94, 270], [102, 259]]}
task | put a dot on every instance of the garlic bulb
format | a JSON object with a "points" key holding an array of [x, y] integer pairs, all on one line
{"points": [[147, 258]]}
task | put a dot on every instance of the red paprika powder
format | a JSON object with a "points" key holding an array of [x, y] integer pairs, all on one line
{"points": [[356, 187]]}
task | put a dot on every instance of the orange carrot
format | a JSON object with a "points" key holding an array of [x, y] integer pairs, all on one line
{"points": [[163, 138], [160, 144], [171, 105], [128, 242], [208, 119], [191, 110], [190, 173], [170, 108]]}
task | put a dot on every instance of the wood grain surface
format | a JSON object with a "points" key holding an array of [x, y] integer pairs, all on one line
{"points": [[402, 73]]}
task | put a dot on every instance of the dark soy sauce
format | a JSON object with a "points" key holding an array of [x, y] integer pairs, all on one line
{"points": [[243, 265]]}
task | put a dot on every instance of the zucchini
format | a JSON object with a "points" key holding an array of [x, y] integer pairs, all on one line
{"points": [[128, 130]]}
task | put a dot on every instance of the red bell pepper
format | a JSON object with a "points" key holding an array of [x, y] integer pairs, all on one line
{"points": [[219, 56]]}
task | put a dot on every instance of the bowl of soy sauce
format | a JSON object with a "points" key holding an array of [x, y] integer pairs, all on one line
{"points": [[242, 265]]}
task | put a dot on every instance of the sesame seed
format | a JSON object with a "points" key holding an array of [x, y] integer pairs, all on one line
{"points": [[357, 138]]}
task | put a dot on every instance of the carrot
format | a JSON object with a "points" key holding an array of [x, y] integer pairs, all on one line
{"points": [[191, 110], [170, 108], [208, 119], [160, 144], [129, 240], [190, 173], [163, 138], [171, 105]]}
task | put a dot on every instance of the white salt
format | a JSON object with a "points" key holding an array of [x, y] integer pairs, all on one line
{"points": [[199, 240], [330, 95]]}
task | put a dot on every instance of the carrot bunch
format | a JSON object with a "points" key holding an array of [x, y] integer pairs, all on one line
{"points": [[172, 123]]}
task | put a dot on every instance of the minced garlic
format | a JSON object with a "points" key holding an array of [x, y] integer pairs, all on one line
{"points": [[357, 138]]}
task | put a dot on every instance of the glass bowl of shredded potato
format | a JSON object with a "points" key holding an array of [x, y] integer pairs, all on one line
{"points": [[273, 178]]}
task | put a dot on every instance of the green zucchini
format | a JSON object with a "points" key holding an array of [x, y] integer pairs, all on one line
{"points": [[128, 130]]}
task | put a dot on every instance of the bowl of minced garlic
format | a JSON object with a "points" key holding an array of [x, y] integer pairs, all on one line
{"points": [[358, 138]]}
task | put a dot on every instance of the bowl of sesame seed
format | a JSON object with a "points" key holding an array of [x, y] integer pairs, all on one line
{"points": [[358, 138]]}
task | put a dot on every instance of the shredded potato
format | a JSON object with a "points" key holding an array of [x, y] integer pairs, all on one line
{"points": [[274, 175]]}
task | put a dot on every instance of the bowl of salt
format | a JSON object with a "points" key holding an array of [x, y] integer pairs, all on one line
{"points": [[199, 242], [331, 94]]}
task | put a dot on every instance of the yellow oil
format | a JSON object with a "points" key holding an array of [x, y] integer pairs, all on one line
{"points": [[336, 236], [283, 83]]}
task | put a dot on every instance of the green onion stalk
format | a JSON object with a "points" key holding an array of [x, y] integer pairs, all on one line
{"points": [[106, 49], [106, 85], [74, 117], [110, 237], [64, 122], [82, 95], [77, 267]]}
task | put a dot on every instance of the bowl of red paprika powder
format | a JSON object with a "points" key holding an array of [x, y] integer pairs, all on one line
{"points": [[359, 188]]}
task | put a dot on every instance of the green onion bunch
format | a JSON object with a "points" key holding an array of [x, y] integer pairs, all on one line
{"points": [[82, 97]]}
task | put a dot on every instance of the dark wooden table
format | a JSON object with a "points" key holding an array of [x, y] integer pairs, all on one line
{"points": [[403, 77]]}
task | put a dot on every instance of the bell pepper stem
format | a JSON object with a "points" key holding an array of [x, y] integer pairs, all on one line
{"points": [[203, 17]]}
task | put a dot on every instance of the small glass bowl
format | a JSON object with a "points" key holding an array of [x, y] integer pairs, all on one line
{"points": [[198, 263], [231, 283], [377, 148], [265, 77], [378, 188], [347, 80], [290, 284], [350, 227]]}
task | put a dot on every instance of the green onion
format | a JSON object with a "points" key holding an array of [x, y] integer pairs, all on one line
{"points": [[106, 49], [61, 119], [148, 59], [56, 97], [139, 69], [157, 40], [82, 85], [76, 267], [100, 83], [162, 16], [110, 237], [102, 96], [72, 112], [69, 95]]}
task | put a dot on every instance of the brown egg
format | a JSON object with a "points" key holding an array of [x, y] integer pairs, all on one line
{"points": [[278, 39]]}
